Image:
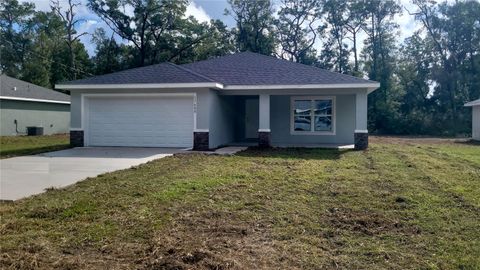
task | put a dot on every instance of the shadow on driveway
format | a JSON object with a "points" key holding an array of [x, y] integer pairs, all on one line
{"points": [[112, 152]]}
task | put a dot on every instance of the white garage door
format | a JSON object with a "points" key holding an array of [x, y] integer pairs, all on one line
{"points": [[140, 121]]}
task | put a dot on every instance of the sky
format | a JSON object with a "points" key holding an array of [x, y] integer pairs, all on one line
{"points": [[202, 10]]}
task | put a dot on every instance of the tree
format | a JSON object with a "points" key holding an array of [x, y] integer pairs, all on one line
{"points": [[46, 41], [454, 32], [336, 53], [15, 35], [379, 54], [109, 55], [254, 31], [296, 31], [202, 41], [33, 48], [354, 26], [414, 73], [71, 36], [151, 28]]}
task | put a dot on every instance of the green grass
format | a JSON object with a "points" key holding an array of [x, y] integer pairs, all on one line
{"points": [[396, 206], [11, 146]]}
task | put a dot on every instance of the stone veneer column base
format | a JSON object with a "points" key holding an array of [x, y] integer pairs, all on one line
{"points": [[200, 141], [264, 139], [361, 140], [76, 138]]}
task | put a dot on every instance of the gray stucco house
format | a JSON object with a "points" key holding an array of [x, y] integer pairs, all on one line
{"points": [[475, 118], [243, 98], [23, 104]]}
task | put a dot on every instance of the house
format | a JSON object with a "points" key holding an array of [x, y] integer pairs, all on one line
{"points": [[475, 118], [23, 104], [235, 99]]}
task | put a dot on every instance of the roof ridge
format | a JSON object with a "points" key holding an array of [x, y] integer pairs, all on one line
{"points": [[211, 59], [192, 72]]}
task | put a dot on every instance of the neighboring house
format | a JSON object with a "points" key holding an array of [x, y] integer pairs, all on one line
{"points": [[475, 118], [236, 99], [23, 104]]}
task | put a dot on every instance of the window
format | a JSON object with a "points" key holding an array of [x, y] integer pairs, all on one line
{"points": [[313, 115]]}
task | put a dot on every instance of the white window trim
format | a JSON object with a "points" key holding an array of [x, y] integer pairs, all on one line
{"points": [[292, 115]]}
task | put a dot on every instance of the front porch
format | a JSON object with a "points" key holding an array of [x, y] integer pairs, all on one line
{"points": [[286, 120]]}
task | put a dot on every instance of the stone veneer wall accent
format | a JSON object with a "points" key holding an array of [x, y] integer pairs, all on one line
{"points": [[76, 138], [361, 140], [264, 139], [200, 141]]}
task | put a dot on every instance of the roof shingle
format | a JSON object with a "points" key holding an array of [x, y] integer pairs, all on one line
{"points": [[245, 68], [249, 68], [159, 73], [11, 87]]}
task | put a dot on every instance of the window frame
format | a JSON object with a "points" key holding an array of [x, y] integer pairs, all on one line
{"points": [[312, 115]]}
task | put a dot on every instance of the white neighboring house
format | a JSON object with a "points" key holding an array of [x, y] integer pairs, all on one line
{"points": [[475, 118]]}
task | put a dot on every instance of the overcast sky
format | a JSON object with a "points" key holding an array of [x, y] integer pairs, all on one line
{"points": [[203, 10]]}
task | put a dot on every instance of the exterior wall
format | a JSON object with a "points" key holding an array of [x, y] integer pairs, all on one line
{"points": [[361, 111], [219, 113], [222, 126], [280, 116], [476, 123], [75, 110], [53, 117]]}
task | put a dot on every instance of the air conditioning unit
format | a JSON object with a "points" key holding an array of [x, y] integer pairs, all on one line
{"points": [[34, 131]]}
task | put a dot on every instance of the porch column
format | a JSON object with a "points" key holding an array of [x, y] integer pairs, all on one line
{"points": [[361, 131], [264, 120], [76, 127], [201, 132]]}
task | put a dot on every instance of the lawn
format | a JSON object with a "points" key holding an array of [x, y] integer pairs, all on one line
{"points": [[403, 204], [11, 146]]}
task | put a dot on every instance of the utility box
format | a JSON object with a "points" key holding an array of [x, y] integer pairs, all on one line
{"points": [[34, 131]]}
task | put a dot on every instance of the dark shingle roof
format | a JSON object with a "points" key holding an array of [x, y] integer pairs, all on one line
{"points": [[11, 87], [244, 68], [160, 73], [249, 68]]}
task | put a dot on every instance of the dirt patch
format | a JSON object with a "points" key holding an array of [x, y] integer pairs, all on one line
{"points": [[367, 222], [49, 259], [212, 239]]}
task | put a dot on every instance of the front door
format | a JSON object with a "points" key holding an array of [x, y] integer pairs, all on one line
{"points": [[251, 118]]}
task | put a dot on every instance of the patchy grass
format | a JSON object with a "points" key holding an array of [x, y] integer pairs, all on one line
{"points": [[11, 146], [399, 205]]}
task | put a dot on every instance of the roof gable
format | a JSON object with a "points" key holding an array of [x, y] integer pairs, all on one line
{"points": [[18, 89]]}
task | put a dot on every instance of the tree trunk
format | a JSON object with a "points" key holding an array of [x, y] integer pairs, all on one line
{"points": [[355, 52], [72, 60], [374, 50]]}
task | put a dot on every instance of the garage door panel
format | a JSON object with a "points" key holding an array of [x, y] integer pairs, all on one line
{"points": [[145, 122]]}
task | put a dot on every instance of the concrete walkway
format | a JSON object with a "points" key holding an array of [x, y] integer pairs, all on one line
{"points": [[28, 175]]}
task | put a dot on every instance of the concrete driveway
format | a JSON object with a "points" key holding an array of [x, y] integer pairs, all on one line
{"points": [[28, 175]]}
